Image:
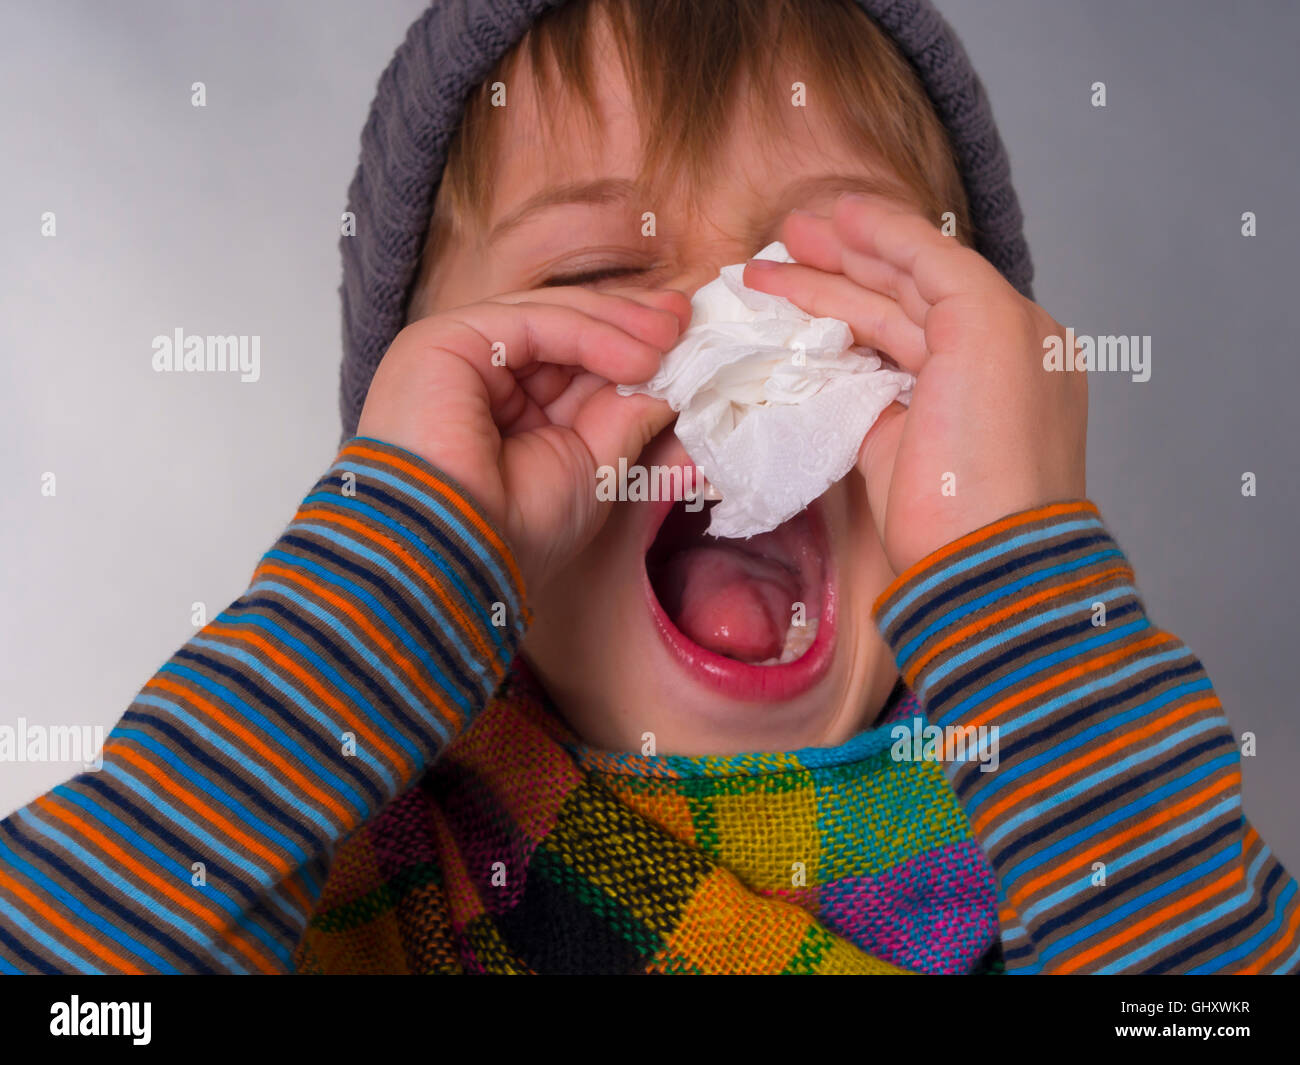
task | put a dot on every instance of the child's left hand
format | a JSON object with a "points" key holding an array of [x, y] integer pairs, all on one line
{"points": [[989, 431]]}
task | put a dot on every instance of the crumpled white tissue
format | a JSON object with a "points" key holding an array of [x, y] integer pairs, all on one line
{"points": [[773, 404]]}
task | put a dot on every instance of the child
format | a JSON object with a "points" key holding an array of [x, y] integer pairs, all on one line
{"points": [[470, 718]]}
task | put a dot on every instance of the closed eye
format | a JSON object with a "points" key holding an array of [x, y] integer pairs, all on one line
{"points": [[590, 277]]}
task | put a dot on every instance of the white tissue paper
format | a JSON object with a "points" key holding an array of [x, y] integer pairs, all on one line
{"points": [[772, 403]]}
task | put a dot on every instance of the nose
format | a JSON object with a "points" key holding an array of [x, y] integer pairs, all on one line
{"points": [[690, 279], [702, 269]]}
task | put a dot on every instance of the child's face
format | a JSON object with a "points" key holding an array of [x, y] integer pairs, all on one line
{"points": [[597, 641]]}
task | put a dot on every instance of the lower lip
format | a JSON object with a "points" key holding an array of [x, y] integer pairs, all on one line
{"points": [[739, 680]]}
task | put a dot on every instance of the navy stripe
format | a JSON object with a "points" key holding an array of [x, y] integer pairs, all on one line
{"points": [[1143, 687], [302, 728], [1180, 759], [1019, 653], [91, 891], [300, 830], [397, 601], [1228, 933], [1143, 876], [987, 574]]}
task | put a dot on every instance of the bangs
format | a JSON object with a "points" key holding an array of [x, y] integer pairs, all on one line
{"points": [[689, 64]]}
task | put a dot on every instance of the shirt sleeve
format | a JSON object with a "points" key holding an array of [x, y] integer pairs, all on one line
{"points": [[372, 632], [1091, 754]]}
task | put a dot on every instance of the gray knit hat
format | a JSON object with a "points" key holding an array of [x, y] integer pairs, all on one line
{"points": [[449, 51]]}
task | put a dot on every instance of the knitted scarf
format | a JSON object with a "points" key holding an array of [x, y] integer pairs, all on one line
{"points": [[524, 851]]}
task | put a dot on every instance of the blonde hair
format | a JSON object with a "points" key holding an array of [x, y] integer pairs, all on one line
{"points": [[683, 60]]}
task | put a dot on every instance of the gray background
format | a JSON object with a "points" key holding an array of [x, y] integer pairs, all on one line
{"points": [[224, 220]]}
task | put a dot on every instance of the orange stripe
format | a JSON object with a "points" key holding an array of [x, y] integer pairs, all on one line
{"points": [[1287, 940], [463, 621], [85, 830], [1059, 680], [257, 640], [436, 696], [1126, 739], [294, 886], [985, 621], [458, 503], [210, 814], [1131, 932], [342, 813], [66, 927], [987, 532], [1227, 782]]}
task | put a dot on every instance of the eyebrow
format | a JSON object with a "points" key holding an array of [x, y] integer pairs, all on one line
{"points": [[601, 192], [606, 191]]}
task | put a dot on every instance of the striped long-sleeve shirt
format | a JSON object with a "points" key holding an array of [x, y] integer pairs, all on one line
{"points": [[1114, 818], [386, 614]]}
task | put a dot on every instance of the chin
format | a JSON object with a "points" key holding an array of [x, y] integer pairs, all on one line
{"points": [[717, 646]]}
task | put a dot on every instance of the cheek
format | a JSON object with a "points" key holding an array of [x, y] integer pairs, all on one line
{"points": [[588, 605], [862, 570]]}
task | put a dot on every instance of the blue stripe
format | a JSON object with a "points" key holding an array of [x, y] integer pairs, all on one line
{"points": [[425, 717], [334, 727], [284, 740], [998, 550], [150, 904], [1003, 591], [1044, 664], [86, 915], [466, 535], [1156, 945], [1113, 916], [477, 608], [1123, 813], [1122, 862], [1039, 621], [23, 840], [1082, 787], [247, 759], [198, 782], [1002, 779], [450, 628], [401, 633]]}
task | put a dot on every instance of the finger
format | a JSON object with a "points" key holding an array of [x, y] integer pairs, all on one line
{"points": [[544, 382], [813, 240], [940, 266], [564, 409], [500, 340], [876, 321], [621, 305], [876, 459], [614, 426]]}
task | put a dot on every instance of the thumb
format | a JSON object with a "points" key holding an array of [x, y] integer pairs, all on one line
{"points": [[614, 426], [876, 459]]}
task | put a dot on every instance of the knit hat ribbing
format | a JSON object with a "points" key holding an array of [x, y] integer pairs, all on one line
{"points": [[447, 53]]}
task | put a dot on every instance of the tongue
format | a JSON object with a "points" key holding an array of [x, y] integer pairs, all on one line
{"points": [[732, 603]]}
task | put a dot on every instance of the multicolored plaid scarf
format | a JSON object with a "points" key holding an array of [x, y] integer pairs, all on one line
{"points": [[524, 851]]}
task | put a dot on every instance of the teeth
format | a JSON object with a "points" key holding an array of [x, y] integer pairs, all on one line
{"points": [[798, 638]]}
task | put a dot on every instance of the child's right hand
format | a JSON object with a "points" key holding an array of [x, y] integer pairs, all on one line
{"points": [[524, 439]]}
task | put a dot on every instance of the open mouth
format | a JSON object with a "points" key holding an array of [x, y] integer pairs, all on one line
{"points": [[754, 618]]}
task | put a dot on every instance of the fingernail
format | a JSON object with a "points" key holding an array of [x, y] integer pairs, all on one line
{"points": [[762, 264]]}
